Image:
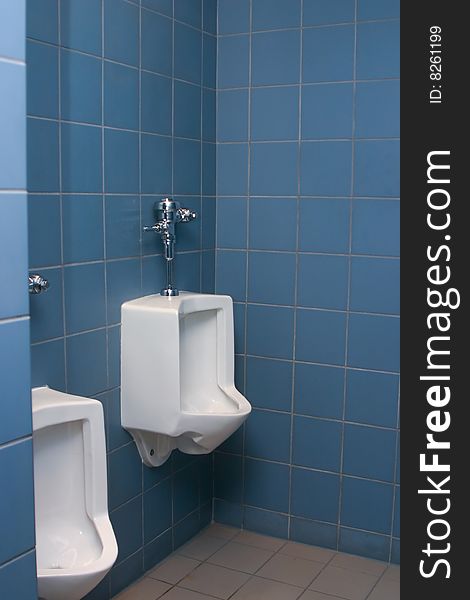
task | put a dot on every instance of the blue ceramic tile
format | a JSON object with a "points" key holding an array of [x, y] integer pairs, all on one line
{"points": [[372, 398], [376, 227], [396, 513], [231, 274], [81, 158], [374, 342], [156, 150], [86, 363], [266, 485], [265, 522], [44, 233], [209, 60], [378, 109], [270, 331], [375, 285], [233, 16], [122, 226], [325, 168], [239, 372], [153, 274], [275, 58], [319, 391], [209, 16], [231, 222], [43, 141], [42, 21], [188, 272], [156, 103], [232, 169], [275, 14], [127, 525], [307, 502], [42, 80], [208, 210], [275, 113], [189, 11], [47, 365], [327, 111], [82, 222], [317, 444], [239, 317], [114, 356], [328, 54], [123, 283], [126, 572], [187, 107], [208, 272], [188, 53], [12, 125], [189, 236], [267, 435], [121, 161], [378, 50], [16, 500], [324, 12], [233, 56], [18, 578], [232, 116], [80, 80], [121, 31], [186, 529], [234, 443], [378, 9], [395, 556], [80, 25], [15, 409], [377, 168], [269, 383], [187, 167], [369, 452], [124, 475], [85, 305], [397, 468], [320, 336], [228, 477], [163, 6], [116, 435], [370, 545], [209, 115], [153, 476], [323, 281], [273, 223], [355, 511], [46, 309], [228, 513], [208, 169], [324, 225], [311, 532], [271, 277], [156, 43], [121, 96], [274, 169], [185, 493], [157, 521]]}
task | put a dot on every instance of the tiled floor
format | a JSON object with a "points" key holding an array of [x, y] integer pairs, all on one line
{"points": [[222, 562]]}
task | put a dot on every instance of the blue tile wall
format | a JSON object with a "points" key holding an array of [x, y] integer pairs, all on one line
{"points": [[17, 537], [307, 243], [114, 125]]}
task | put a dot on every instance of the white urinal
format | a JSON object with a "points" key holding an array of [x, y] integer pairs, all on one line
{"points": [[177, 374], [75, 543]]}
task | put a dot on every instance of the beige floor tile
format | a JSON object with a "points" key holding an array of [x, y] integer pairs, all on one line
{"points": [[259, 541], [214, 581], [345, 583], [178, 593], [174, 568], [202, 546], [386, 589], [264, 589], [222, 531], [240, 557], [393, 572], [145, 589], [308, 552], [357, 563], [311, 595], [290, 569]]}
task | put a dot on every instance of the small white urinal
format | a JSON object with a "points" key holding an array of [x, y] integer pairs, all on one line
{"points": [[75, 543], [177, 374]]}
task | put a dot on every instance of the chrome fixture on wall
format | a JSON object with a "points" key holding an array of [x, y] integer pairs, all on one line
{"points": [[37, 284], [169, 212]]}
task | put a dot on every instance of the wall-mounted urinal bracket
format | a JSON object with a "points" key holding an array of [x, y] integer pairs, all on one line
{"points": [[169, 212]]}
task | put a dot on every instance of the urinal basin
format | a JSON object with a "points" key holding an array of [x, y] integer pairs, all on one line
{"points": [[75, 543]]}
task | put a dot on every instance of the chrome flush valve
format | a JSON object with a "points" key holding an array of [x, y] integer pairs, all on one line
{"points": [[169, 212]]}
